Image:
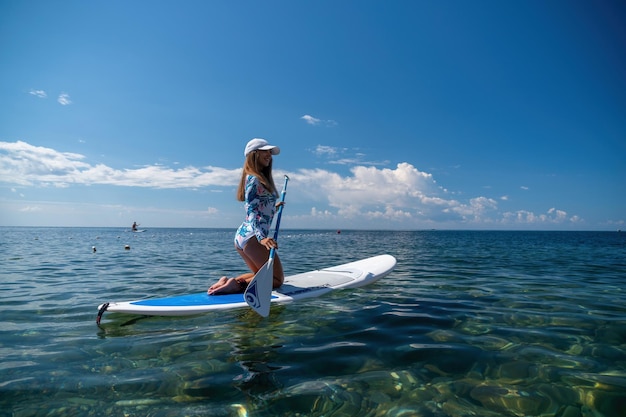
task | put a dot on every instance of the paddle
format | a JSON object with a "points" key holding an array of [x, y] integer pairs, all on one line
{"points": [[258, 295]]}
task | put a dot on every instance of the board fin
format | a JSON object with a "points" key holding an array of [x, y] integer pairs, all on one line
{"points": [[101, 312]]}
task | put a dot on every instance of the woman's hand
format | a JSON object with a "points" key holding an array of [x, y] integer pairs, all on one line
{"points": [[269, 243]]}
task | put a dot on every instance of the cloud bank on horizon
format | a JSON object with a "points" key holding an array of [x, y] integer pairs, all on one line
{"points": [[402, 197]]}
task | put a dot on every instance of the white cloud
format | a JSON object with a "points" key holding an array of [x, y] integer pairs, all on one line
{"points": [[325, 150], [335, 156], [402, 192], [30, 209], [311, 120], [315, 212], [25, 164], [38, 93], [64, 99], [552, 216], [476, 209], [315, 121]]}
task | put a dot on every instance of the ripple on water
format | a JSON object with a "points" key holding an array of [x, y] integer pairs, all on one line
{"points": [[469, 323]]}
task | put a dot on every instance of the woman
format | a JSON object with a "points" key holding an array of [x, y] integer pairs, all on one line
{"points": [[252, 240]]}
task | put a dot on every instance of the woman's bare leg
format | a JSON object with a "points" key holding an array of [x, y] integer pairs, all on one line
{"points": [[255, 256]]}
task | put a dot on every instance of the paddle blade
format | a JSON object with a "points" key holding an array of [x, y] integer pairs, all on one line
{"points": [[259, 293]]}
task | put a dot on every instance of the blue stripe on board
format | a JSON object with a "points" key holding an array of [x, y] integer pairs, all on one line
{"points": [[198, 299]]}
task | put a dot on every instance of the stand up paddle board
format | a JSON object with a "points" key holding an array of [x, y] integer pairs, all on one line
{"points": [[306, 285]]}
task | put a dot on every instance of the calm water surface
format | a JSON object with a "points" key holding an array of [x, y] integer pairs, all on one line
{"points": [[468, 324]]}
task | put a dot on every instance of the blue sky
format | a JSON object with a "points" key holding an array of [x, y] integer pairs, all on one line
{"points": [[390, 115]]}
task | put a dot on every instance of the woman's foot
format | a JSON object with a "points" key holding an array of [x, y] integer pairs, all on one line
{"points": [[219, 284], [224, 285]]}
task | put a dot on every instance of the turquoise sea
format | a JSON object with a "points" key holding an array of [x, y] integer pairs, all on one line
{"points": [[470, 323]]}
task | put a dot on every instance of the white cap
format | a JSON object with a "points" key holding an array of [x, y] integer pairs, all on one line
{"points": [[260, 144]]}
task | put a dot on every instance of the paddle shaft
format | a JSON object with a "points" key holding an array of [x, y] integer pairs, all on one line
{"points": [[279, 215]]}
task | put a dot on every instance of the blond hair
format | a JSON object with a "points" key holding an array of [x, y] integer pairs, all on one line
{"points": [[252, 166]]}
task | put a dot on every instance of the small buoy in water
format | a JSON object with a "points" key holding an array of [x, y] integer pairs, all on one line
{"points": [[338, 232], [93, 248], [127, 247]]}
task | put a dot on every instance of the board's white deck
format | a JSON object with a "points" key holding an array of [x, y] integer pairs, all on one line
{"points": [[305, 285]]}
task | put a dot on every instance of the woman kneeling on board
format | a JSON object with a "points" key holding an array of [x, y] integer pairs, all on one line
{"points": [[252, 240]]}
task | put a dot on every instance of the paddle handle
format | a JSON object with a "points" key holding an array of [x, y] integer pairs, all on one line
{"points": [[279, 215]]}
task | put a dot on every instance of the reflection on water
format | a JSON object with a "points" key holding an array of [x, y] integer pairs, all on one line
{"points": [[468, 324]]}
